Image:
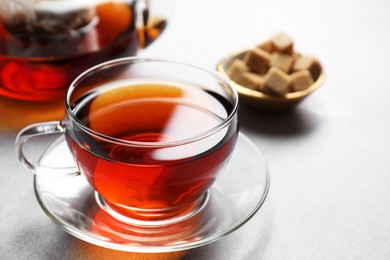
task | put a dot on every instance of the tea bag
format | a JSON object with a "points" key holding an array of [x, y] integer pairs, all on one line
{"points": [[12, 12], [63, 17], [47, 28], [28, 19]]}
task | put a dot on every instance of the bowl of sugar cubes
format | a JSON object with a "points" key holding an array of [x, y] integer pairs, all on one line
{"points": [[273, 76]]}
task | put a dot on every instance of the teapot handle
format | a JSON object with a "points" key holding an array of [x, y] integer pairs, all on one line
{"points": [[151, 19], [142, 8], [142, 13]]}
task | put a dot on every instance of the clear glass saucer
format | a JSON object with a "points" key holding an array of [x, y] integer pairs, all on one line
{"points": [[235, 197]]}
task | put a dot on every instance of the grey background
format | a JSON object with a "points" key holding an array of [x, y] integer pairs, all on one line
{"points": [[329, 159]]}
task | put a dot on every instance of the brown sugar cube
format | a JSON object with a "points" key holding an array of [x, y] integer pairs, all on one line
{"points": [[308, 63], [282, 61], [236, 69], [276, 82], [295, 56], [266, 46], [301, 80], [251, 80], [282, 43], [258, 60]]}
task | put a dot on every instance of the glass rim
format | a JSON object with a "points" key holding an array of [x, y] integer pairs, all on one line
{"points": [[224, 82]]}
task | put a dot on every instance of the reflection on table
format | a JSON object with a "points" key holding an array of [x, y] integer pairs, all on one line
{"points": [[16, 114]]}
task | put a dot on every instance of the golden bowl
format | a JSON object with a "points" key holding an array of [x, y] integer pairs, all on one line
{"points": [[259, 100]]}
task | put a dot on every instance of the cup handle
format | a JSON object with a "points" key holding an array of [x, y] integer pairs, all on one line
{"points": [[46, 128]]}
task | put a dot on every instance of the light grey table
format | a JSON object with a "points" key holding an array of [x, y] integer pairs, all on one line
{"points": [[329, 159]]}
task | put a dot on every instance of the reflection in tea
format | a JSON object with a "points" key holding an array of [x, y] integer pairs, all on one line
{"points": [[144, 176], [43, 49]]}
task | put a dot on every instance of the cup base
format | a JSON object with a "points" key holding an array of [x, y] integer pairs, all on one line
{"points": [[153, 218]]}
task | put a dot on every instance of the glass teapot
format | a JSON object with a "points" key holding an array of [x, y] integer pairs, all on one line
{"points": [[45, 44]]}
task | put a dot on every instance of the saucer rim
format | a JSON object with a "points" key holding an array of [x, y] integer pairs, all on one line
{"points": [[169, 248]]}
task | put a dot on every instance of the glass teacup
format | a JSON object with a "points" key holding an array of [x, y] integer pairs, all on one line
{"points": [[149, 135]]}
